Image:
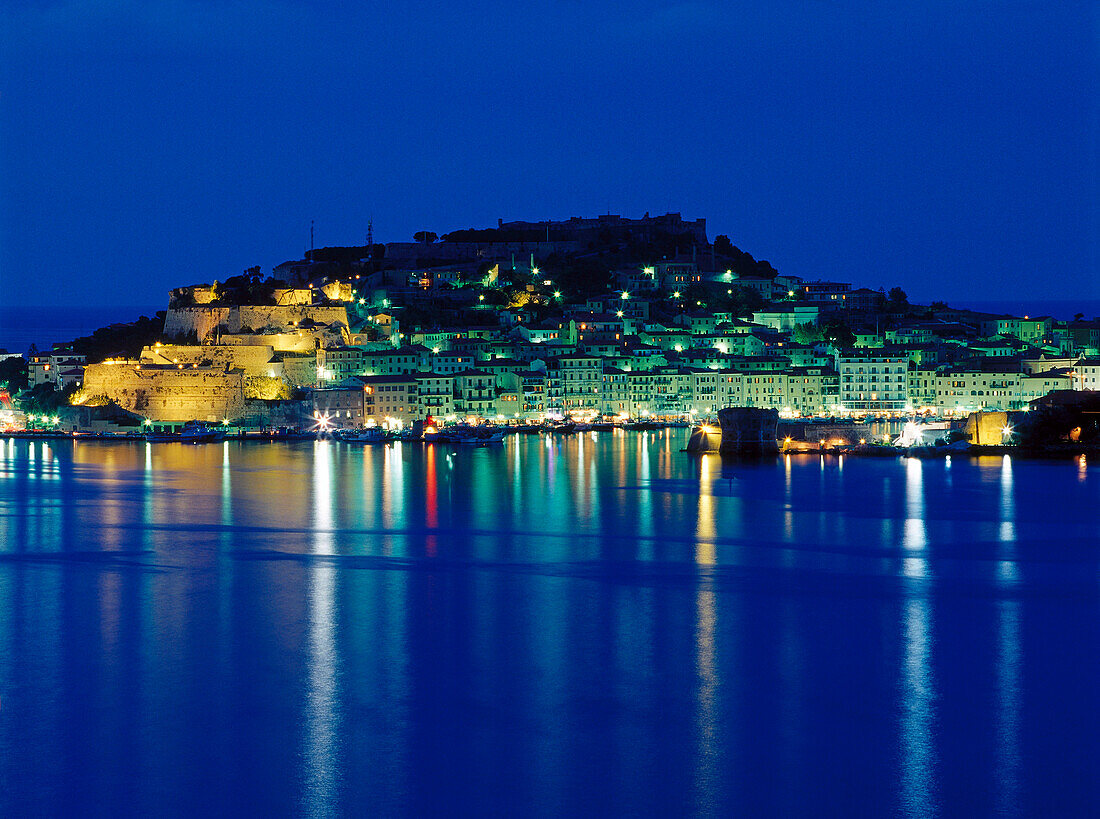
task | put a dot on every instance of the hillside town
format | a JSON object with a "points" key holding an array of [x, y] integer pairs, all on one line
{"points": [[604, 318]]}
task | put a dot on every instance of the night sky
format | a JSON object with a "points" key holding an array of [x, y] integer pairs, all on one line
{"points": [[947, 147]]}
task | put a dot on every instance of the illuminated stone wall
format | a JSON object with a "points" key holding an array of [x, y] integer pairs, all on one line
{"points": [[288, 296], [300, 370], [255, 360], [165, 394], [299, 341], [202, 320]]}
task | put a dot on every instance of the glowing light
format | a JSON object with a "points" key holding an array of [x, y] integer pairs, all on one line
{"points": [[557, 294], [626, 295]]}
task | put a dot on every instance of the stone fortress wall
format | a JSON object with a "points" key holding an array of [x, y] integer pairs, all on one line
{"points": [[253, 359], [302, 342], [169, 393], [203, 320]]}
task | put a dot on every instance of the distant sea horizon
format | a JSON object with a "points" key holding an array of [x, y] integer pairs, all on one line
{"points": [[44, 326], [1064, 309]]}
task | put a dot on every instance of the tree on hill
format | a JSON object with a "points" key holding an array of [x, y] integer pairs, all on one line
{"points": [[743, 301], [896, 299], [13, 374], [425, 236], [740, 262], [839, 333], [120, 340], [808, 333]]}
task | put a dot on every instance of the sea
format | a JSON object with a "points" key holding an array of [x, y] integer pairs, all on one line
{"points": [[1064, 309], [20, 327], [592, 624]]}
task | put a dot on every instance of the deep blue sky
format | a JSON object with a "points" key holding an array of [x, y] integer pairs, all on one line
{"points": [[949, 147]]}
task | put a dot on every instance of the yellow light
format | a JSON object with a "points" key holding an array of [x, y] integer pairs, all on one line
{"points": [[626, 295]]}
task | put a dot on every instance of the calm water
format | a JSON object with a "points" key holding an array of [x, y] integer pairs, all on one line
{"points": [[20, 327], [589, 625]]}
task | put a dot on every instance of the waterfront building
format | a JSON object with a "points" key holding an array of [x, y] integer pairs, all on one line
{"points": [[872, 383], [958, 390], [435, 394], [615, 391], [342, 406], [534, 392], [579, 378], [810, 391], [475, 394], [391, 401]]}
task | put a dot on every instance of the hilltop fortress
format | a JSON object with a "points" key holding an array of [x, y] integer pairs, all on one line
{"points": [[195, 311], [234, 354]]}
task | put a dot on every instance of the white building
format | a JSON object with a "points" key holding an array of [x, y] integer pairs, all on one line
{"points": [[873, 383]]}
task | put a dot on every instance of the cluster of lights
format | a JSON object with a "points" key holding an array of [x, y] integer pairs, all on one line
{"points": [[44, 419]]}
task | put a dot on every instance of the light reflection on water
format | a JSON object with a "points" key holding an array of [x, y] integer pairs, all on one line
{"points": [[321, 718], [591, 624]]}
